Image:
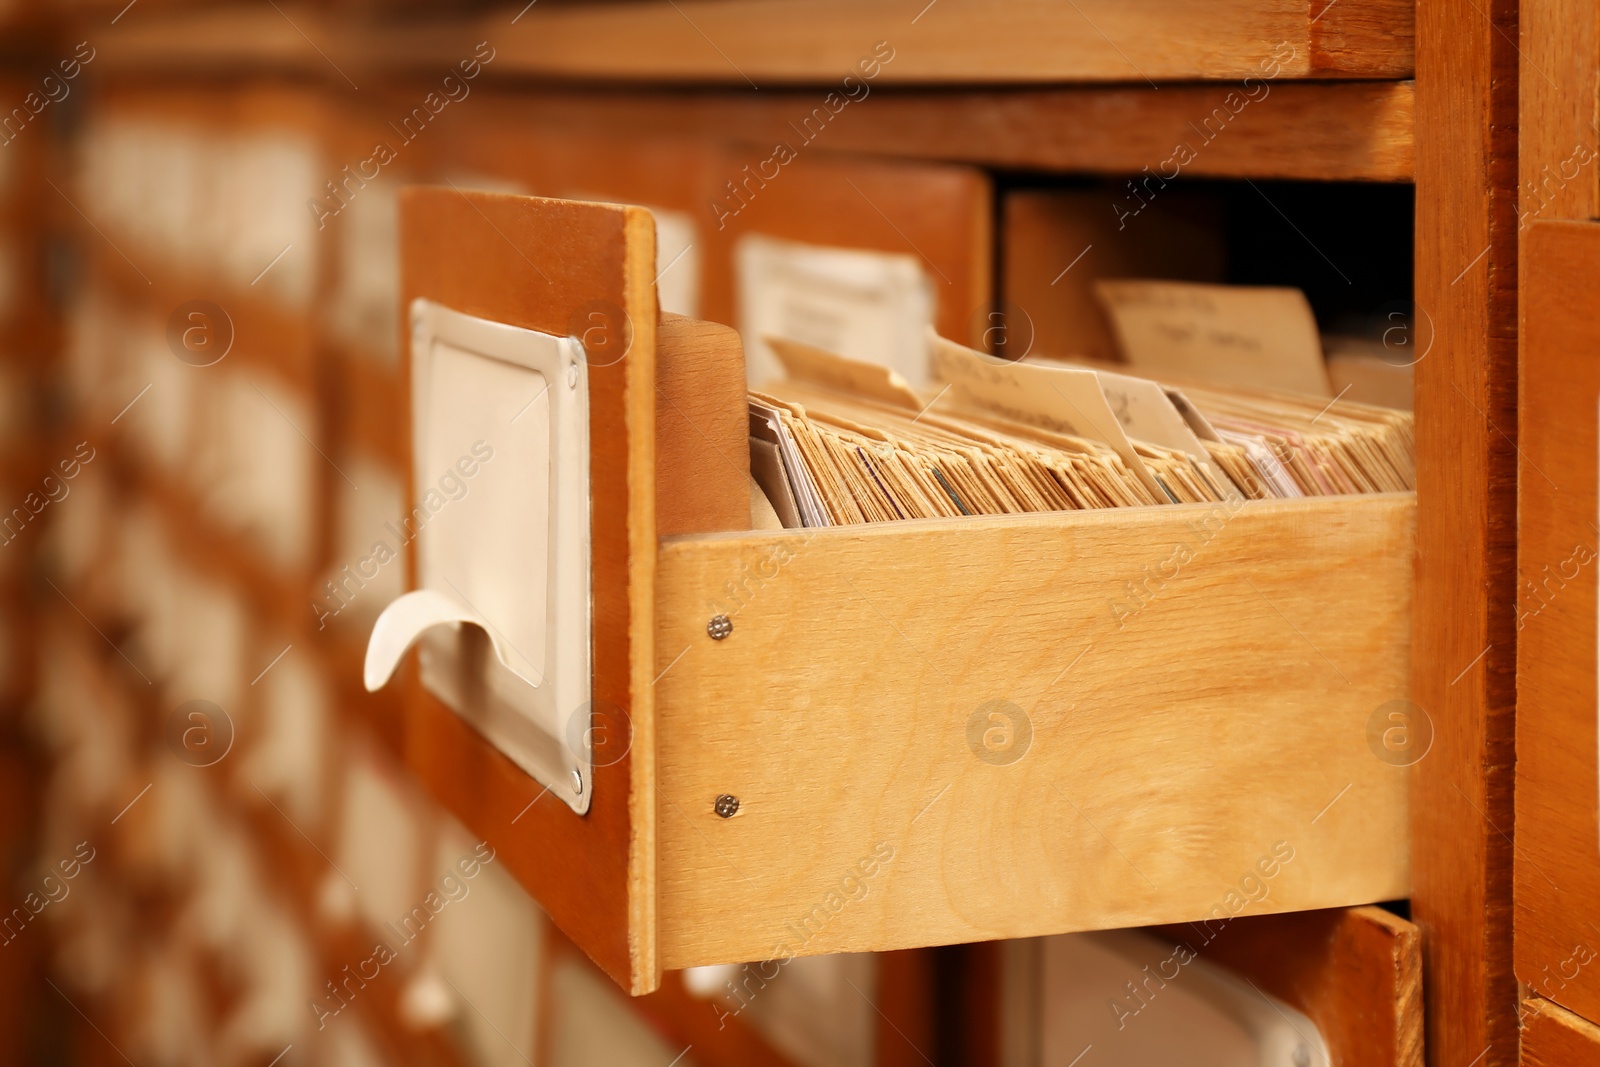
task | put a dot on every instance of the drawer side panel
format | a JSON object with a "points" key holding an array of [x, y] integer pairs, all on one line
{"points": [[1207, 690]]}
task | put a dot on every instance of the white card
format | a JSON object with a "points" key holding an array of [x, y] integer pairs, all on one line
{"points": [[872, 306]]}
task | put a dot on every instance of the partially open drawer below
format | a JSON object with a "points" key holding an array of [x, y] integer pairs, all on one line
{"points": [[951, 731]]}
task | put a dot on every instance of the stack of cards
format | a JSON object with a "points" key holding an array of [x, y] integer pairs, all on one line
{"points": [[1305, 446], [839, 441]]}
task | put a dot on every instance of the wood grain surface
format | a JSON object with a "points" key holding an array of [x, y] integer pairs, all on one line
{"points": [[1558, 150], [702, 429], [547, 265], [1463, 637], [1552, 1037], [1355, 972], [1377, 38], [1318, 131], [1557, 826], [765, 43], [1172, 745]]}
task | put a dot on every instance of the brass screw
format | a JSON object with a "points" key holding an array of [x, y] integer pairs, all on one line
{"points": [[719, 627], [726, 806]]}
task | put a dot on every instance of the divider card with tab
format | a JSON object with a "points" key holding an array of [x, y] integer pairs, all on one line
{"points": [[1260, 336]]}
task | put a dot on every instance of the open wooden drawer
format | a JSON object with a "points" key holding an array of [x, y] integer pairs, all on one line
{"points": [[925, 732]]}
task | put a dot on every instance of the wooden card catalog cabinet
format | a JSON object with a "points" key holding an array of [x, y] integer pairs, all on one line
{"points": [[788, 729]]}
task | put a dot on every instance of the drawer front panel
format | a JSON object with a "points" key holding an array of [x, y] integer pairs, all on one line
{"points": [[1553, 1037], [1355, 972], [564, 269]]}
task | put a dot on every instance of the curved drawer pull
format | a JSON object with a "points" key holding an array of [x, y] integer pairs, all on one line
{"points": [[405, 620]]}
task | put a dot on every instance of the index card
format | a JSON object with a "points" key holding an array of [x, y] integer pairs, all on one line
{"points": [[1229, 334]]}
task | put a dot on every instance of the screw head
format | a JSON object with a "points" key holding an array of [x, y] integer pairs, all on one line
{"points": [[726, 806], [719, 627], [577, 780]]}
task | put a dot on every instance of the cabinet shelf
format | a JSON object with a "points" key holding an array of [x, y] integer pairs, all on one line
{"points": [[1314, 131], [751, 43], [1349, 119], [770, 43]]}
